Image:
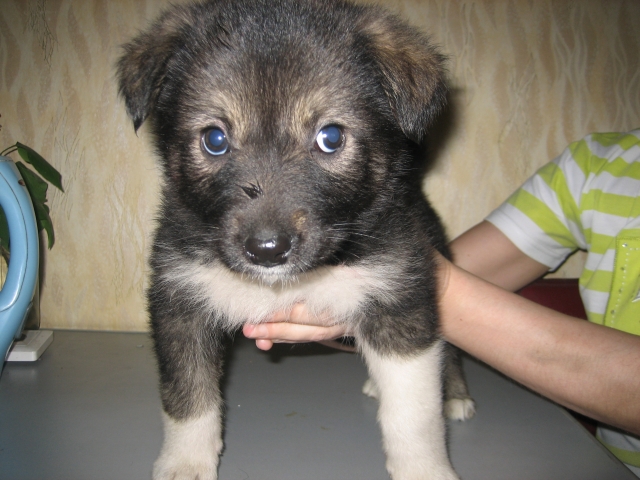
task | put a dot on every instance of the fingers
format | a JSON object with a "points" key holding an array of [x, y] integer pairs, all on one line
{"points": [[264, 344], [281, 332], [297, 325]]}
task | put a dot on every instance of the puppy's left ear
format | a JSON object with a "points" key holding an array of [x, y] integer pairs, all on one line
{"points": [[412, 71]]}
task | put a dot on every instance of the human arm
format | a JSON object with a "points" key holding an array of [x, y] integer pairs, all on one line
{"points": [[486, 252], [586, 367]]}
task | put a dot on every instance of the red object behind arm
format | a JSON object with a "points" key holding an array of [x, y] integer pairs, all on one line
{"points": [[560, 294]]}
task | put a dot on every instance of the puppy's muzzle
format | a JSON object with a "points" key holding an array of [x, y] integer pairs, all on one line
{"points": [[268, 249]]}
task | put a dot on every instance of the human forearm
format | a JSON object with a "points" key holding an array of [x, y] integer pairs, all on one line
{"points": [[586, 367], [489, 254]]}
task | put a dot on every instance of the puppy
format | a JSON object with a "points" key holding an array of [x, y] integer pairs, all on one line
{"points": [[288, 134]]}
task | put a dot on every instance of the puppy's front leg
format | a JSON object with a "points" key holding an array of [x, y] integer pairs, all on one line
{"points": [[190, 361], [409, 389]]}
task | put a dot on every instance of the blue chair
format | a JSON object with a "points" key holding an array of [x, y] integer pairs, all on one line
{"points": [[16, 296]]}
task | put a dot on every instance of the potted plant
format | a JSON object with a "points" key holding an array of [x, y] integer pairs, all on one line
{"points": [[36, 180]]}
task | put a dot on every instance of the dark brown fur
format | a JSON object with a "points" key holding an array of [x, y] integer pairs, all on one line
{"points": [[270, 74]]}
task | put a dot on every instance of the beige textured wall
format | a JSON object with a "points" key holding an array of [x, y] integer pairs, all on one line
{"points": [[528, 78]]}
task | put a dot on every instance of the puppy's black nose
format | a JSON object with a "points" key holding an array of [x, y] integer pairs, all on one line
{"points": [[267, 250]]}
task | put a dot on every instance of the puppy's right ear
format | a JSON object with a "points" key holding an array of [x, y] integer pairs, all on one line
{"points": [[142, 67]]}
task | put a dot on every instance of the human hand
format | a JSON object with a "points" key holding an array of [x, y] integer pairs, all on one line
{"points": [[296, 326], [300, 326]]}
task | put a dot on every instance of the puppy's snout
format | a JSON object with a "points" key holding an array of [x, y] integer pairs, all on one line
{"points": [[268, 249]]}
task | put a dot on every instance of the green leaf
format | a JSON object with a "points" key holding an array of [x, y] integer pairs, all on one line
{"points": [[38, 192], [43, 167], [4, 231]]}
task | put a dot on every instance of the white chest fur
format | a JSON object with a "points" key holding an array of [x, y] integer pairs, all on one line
{"points": [[338, 290]]}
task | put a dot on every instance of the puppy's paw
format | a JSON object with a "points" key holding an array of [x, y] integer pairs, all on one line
{"points": [[191, 449], [459, 408], [410, 469], [167, 468], [370, 389]]}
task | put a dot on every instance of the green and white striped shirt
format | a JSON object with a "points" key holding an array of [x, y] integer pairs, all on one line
{"points": [[588, 198]]}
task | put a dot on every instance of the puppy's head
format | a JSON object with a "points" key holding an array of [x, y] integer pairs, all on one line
{"points": [[282, 126]]}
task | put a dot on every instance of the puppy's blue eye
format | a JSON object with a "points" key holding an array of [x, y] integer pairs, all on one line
{"points": [[214, 141], [329, 139]]}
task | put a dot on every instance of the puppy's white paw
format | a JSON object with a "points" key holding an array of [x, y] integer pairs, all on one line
{"points": [[370, 389], [171, 468], [191, 449], [460, 408], [411, 469]]}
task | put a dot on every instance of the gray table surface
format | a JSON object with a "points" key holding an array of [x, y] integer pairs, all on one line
{"points": [[89, 410]]}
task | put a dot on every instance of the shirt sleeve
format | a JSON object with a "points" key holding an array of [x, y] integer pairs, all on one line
{"points": [[542, 217]]}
